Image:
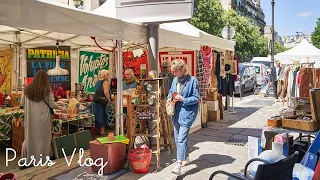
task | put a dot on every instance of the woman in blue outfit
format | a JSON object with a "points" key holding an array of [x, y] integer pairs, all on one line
{"points": [[99, 110], [185, 93]]}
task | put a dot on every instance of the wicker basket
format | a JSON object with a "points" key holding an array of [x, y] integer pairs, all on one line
{"points": [[140, 159]]}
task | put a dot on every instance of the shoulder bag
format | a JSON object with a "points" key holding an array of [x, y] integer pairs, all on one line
{"points": [[99, 96], [170, 106], [51, 109]]}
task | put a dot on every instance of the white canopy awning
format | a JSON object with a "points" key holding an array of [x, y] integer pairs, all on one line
{"points": [[177, 35], [204, 38], [303, 50], [51, 21]]}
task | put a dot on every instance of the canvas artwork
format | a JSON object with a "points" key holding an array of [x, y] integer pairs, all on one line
{"points": [[6, 58], [233, 67]]}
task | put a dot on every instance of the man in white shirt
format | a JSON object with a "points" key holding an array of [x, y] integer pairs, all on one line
{"points": [[275, 73]]}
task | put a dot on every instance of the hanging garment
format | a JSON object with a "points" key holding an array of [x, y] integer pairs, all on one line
{"points": [[279, 87], [317, 77], [290, 79], [307, 81], [217, 71], [227, 85], [298, 84], [200, 75], [285, 83]]}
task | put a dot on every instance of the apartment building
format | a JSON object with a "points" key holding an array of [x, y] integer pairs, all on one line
{"points": [[250, 9]]}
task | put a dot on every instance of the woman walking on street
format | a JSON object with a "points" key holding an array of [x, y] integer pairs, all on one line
{"points": [[184, 93]]}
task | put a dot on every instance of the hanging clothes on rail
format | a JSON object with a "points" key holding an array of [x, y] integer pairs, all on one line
{"points": [[227, 85], [307, 81]]}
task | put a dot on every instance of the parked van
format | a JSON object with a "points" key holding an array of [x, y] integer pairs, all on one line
{"points": [[247, 79], [261, 72], [262, 60]]}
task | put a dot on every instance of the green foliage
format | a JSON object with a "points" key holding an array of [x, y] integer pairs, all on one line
{"points": [[210, 17], [315, 37], [278, 48], [249, 40]]}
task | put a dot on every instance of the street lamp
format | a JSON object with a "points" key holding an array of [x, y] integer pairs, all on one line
{"points": [[228, 32], [272, 32]]}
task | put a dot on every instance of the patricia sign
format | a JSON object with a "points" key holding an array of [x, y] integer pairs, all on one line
{"points": [[90, 63], [45, 58]]}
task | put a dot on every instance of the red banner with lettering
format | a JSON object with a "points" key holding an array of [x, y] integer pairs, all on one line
{"points": [[138, 64], [187, 56]]}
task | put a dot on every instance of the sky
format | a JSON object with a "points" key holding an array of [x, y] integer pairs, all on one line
{"points": [[292, 15]]}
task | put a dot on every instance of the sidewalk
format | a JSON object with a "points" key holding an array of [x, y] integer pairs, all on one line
{"points": [[212, 148]]}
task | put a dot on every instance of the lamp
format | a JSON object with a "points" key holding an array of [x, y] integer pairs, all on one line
{"points": [[58, 71], [228, 32]]}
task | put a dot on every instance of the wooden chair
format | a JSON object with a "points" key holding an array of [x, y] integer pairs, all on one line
{"points": [[281, 170]]}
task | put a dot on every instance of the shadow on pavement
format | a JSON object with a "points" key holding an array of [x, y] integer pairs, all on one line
{"points": [[210, 160]]}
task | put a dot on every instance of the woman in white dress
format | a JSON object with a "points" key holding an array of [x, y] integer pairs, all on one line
{"points": [[37, 99]]}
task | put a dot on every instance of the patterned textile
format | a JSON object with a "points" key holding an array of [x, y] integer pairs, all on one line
{"points": [[200, 76], [6, 121]]}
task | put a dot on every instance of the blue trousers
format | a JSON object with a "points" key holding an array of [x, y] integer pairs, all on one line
{"points": [[181, 135]]}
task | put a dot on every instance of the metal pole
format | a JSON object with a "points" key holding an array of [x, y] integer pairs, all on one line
{"points": [[153, 63], [119, 67], [272, 32]]}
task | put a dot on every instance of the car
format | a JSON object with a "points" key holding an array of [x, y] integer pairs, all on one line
{"points": [[247, 80]]}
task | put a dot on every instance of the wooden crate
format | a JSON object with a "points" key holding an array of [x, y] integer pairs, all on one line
{"points": [[17, 138], [214, 115], [275, 122], [301, 124], [204, 118]]}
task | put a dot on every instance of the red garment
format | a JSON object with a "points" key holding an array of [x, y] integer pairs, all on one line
{"points": [[299, 78], [236, 76]]}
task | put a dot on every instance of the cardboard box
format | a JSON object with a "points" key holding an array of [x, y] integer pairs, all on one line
{"points": [[213, 105], [204, 117], [214, 115]]}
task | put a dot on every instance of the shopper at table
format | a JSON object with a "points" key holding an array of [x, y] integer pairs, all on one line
{"points": [[37, 101], [99, 108], [185, 93], [130, 81]]}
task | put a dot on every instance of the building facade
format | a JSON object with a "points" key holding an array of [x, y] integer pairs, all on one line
{"points": [[250, 9], [268, 35], [292, 41]]}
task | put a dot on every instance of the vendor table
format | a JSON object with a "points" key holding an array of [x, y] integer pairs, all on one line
{"points": [[6, 121], [279, 130]]}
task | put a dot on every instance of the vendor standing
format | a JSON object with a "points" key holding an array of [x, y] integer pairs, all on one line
{"points": [[99, 106], [130, 81], [37, 101], [165, 73]]}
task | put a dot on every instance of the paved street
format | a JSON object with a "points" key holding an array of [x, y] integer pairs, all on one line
{"points": [[212, 148], [209, 147]]}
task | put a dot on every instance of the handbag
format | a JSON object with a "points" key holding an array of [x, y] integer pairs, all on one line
{"points": [[51, 110], [171, 106], [99, 96]]}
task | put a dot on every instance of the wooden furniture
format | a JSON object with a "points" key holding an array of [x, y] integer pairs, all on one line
{"points": [[307, 125], [151, 110]]}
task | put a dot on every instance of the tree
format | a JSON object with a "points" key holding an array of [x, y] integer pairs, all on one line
{"points": [[249, 41], [315, 37], [278, 48], [208, 16]]}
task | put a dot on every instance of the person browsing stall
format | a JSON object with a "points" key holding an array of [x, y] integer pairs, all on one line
{"points": [[275, 73], [165, 73], [101, 101], [185, 93], [130, 81], [38, 103]]}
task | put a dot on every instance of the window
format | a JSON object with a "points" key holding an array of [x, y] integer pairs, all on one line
{"points": [[257, 70]]}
